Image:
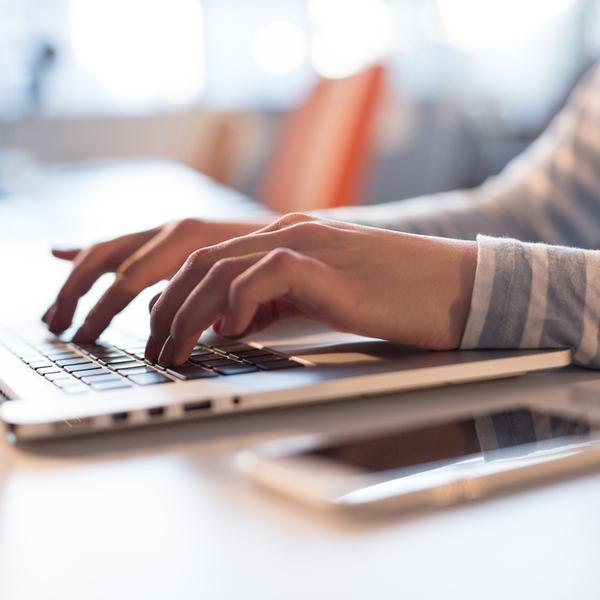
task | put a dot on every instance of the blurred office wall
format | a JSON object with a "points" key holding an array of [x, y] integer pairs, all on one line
{"points": [[206, 82]]}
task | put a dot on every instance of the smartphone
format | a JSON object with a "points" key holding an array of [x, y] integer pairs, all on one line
{"points": [[433, 464]]}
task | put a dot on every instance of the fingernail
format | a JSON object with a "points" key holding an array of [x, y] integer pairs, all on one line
{"points": [[166, 354], [49, 314], [225, 325], [151, 352]]}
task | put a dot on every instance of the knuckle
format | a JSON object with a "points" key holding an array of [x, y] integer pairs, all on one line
{"points": [[282, 258], [310, 228], [222, 269], [126, 270], [96, 248], [292, 219], [197, 258], [99, 255], [185, 227], [125, 282]]}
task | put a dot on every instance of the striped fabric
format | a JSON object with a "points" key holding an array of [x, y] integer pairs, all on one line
{"points": [[538, 227]]}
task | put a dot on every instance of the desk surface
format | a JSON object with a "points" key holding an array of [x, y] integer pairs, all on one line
{"points": [[161, 512]]}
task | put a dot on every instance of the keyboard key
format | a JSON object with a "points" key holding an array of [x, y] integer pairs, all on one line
{"points": [[29, 358], [203, 352], [98, 378], [108, 353], [252, 353], [265, 359], [92, 373], [191, 372], [55, 376], [62, 355], [67, 362], [93, 349], [233, 348], [150, 379], [219, 362], [63, 382], [48, 370], [74, 388], [82, 367], [45, 350], [40, 364], [135, 371], [198, 360], [235, 369], [110, 385], [278, 364], [126, 365], [113, 359]]}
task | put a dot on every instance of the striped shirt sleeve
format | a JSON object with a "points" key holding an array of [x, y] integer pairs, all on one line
{"points": [[535, 296]]}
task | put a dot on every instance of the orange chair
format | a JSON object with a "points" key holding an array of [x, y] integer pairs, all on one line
{"points": [[320, 159]]}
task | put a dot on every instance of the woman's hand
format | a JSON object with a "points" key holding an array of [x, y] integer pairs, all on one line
{"points": [[139, 261], [404, 288]]}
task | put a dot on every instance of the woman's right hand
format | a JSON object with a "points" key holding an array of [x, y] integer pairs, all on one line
{"points": [[139, 260]]}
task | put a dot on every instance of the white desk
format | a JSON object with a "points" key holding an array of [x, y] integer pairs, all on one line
{"points": [[161, 513]]}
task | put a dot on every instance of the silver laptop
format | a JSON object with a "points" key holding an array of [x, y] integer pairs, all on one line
{"points": [[50, 387]]}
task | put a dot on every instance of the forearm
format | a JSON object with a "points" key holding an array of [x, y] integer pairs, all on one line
{"points": [[551, 193]]}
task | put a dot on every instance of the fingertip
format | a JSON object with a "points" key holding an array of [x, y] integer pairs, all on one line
{"points": [[153, 302], [65, 254], [165, 357], [54, 325], [49, 314], [226, 325], [151, 352], [85, 335]]}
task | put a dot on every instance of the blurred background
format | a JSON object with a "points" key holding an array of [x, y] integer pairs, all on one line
{"points": [[467, 84]]}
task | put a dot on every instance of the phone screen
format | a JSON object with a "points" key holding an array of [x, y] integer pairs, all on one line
{"points": [[521, 430]]}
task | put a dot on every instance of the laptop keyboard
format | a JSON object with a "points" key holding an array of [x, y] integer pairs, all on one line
{"points": [[120, 363]]}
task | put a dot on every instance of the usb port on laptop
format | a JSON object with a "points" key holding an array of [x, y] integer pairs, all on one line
{"points": [[201, 405]]}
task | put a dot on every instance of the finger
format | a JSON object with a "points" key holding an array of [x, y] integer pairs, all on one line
{"points": [[114, 300], [49, 314], [69, 255], [89, 266], [305, 282], [153, 302], [204, 305], [303, 237], [282, 273], [156, 260], [66, 254], [265, 316]]}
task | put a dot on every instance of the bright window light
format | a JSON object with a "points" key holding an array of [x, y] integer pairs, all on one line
{"points": [[279, 47], [478, 24], [349, 35], [141, 50]]}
